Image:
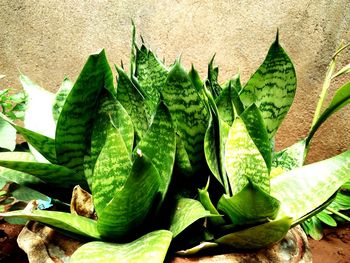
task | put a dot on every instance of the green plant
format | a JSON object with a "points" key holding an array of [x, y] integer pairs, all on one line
{"points": [[13, 106], [145, 147]]}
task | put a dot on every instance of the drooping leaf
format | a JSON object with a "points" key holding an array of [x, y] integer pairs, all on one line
{"points": [[186, 212], [272, 87], [188, 112], [159, 144], [42, 144], [151, 75], [111, 170], [133, 102], [243, 160], [74, 125], [258, 236], [326, 218], [151, 248], [315, 184], [73, 223], [7, 135], [131, 205], [21, 178], [50, 173], [38, 113], [256, 128], [313, 227], [250, 206], [341, 99], [60, 97]]}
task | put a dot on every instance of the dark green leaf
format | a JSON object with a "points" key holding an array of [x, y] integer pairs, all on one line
{"points": [[60, 97]]}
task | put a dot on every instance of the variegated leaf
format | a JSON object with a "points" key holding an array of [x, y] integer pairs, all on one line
{"points": [[150, 248], [315, 184], [213, 73], [257, 130], [291, 157], [111, 170], [73, 223], [188, 111], [243, 160], [258, 236], [60, 97], [131, 205], [74, 126], [133, 102], [272, 87], [159, 144]]}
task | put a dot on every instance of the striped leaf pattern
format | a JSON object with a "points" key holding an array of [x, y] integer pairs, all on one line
{"points": [[133, 102], [257, 131], [60, 98], [159, 144], [73, 223], [111, 170], [150, 248], [213, 84], [315, 183], [258, 236], [272, 88], [243, 160], [57, 175], [131, 205], [74, 125], [188, 111], [151, 74]]}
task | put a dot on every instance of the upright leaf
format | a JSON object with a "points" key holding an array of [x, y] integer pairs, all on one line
{"points": [[133, 102], [243, 160], [111, 170], [7, 135], [60, 97], [272, 87], [131, 205], [159, 144], [74, 125], [213, 73], [150, 248], [188, 111]]}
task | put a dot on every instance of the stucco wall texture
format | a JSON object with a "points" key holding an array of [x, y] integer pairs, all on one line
{"points": [[48, 40]]}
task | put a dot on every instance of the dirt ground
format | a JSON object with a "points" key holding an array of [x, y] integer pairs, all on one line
{"points": [[334, 247]]}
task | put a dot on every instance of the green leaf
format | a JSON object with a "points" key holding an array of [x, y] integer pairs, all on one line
{"points": [[186, 212], [7, 136], [74, 126], [196, 79], [291, 157], [243, 160], [111, 170], [188, 112], [258, 236], [315, 184], [313, 227], [159, 144], [131, 205], [73, 223], [257, 130], [250, 206], [341, 99], [151, 75], [326, 218], [133, 102], [151, 248], [272, 87], [38, 114], [15, 176], [182, 161], [213, 73], [60, 98], [57, 175]]}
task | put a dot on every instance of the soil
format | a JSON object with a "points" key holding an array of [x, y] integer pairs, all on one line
{"points": [[333, 248]]}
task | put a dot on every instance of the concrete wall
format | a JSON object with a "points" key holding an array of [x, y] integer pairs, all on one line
{"points": [[48, 39]]}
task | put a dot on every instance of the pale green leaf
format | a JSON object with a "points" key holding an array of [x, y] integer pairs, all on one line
{"points": [[7, 135], [150, 248]]}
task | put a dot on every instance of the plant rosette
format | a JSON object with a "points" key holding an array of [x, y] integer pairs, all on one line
{"points": [[144, 147]]}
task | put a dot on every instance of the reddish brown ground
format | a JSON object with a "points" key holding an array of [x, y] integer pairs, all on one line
{"points": [[334, 247]]}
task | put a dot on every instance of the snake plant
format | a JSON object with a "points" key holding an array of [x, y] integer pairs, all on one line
{"points": [[144, 147]]}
